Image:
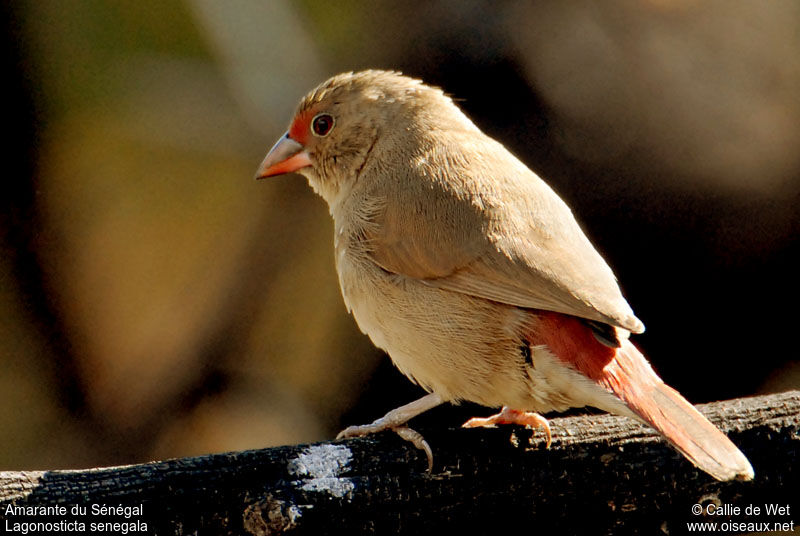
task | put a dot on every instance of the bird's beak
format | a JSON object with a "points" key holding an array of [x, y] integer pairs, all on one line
{"points": [[285, 156]]}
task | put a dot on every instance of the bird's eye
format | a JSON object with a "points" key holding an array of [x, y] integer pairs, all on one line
{"points": [[322, 124]]}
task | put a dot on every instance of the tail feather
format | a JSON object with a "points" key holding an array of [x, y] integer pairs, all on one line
{"points": [[630, 377], [625, 372]]}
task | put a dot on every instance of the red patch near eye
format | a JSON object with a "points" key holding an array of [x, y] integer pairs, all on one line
{"points": [[300, 127]]}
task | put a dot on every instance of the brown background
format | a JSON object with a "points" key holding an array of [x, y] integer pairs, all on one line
{"points": [[155, 301]]}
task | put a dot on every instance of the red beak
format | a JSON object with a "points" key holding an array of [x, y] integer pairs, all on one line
{"points": [[285, 156]]}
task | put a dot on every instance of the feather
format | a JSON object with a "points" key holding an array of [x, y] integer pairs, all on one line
{"points": [[626, 373]]}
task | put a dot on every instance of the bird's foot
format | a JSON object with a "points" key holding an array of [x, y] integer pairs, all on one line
{"points": [[396, 421], [409, 434], [512, 416]]}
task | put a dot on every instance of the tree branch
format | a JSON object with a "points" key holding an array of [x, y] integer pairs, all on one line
{"points": [[602, 475]]}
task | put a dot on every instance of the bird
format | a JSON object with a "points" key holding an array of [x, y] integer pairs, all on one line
{"points": [[471, 272]]}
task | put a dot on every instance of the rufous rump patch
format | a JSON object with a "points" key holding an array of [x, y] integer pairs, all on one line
{"points": [[572, 342], [622, 371]]}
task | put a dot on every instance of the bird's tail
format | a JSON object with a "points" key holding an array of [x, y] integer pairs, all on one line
{"points": [[620, 368], [630, 377]]}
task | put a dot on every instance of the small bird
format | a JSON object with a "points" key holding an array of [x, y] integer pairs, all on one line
{"points": [[470, 271]]}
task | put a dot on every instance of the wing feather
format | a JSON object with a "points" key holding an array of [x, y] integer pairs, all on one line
{"points": [[470, 217]]}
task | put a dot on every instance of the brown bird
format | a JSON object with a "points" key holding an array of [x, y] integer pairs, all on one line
{"points": [[471, 272]]}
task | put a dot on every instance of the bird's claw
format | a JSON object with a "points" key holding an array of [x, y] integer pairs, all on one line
{"points": [[409, 434], [512, 416]]}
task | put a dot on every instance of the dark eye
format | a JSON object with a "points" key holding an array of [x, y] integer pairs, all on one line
{"points": [[322, 124]]}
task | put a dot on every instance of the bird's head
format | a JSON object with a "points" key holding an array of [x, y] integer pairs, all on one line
{"points": [[338, 125]]}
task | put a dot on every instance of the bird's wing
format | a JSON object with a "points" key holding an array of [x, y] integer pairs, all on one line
{"points": [[491, 228]]}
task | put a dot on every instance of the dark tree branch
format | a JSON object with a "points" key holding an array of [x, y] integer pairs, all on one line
{"points": [[602, 475]]}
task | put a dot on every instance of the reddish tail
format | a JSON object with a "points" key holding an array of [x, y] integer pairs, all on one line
{"points": [[630, 377], [625, 372]]}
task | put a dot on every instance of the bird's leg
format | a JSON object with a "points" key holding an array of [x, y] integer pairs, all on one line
{"points": [[396, 420], [512, 416]]}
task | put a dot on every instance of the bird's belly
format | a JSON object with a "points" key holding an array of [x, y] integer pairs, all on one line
{"points": [[458, 346]]}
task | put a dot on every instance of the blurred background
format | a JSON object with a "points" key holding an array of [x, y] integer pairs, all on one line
{"points": [[156, 301]]}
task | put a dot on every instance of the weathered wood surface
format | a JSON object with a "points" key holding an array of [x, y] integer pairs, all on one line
{"points": [[602, 475]]}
